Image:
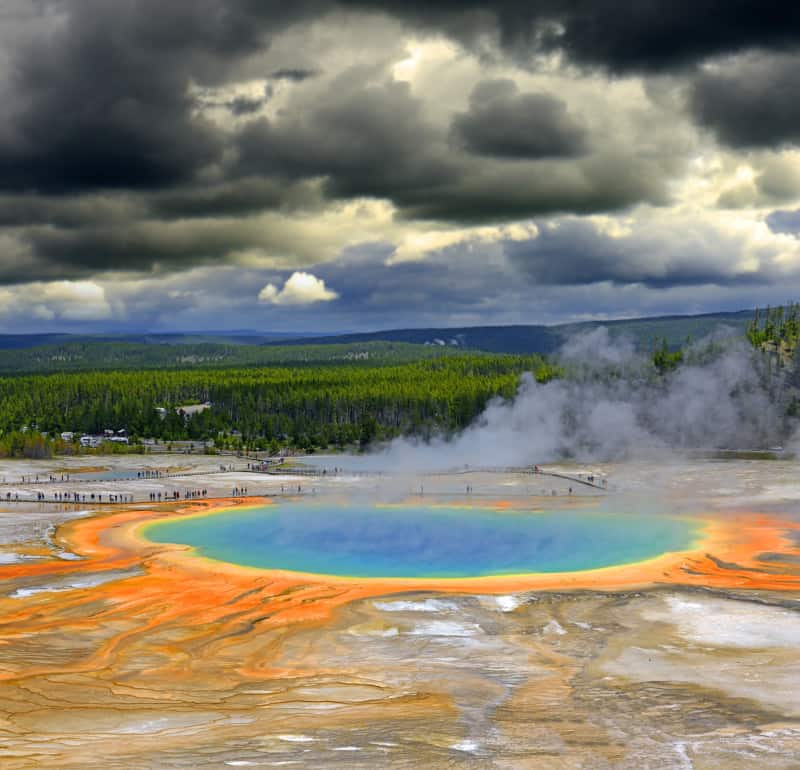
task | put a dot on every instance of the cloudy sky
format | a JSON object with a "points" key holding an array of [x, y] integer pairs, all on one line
{"points": [[318, 165]]}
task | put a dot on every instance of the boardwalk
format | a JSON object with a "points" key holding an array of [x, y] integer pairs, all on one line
{"points": [[526, 469], [137, 489]]}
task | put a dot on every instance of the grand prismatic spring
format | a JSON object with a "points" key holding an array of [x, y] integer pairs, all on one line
{"points": [[503, 619], [413, 541]]}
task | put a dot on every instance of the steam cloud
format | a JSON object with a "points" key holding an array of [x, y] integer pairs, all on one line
{"points": [[613, 406]]}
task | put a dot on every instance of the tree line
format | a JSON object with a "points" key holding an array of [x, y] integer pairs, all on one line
{"points": [[115, 355], [775, 325], [307, 407]]}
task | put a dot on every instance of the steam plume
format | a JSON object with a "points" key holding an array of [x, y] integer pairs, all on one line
{"points": [[614, 405]]}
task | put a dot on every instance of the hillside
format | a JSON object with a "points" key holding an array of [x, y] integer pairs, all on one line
{"points": [[93, 355], [44, 353], [522, 339]]}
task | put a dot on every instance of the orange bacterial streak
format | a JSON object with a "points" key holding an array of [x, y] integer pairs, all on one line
{"points": [[176, 596]]}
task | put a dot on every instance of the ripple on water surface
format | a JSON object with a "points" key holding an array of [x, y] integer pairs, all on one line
{"points": [[431, 542]]}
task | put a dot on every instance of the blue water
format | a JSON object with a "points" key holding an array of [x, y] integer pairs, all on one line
{"points": [[104, 475], [415, 541]]}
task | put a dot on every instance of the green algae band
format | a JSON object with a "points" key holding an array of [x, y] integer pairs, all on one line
{"points": [[424, 542]]}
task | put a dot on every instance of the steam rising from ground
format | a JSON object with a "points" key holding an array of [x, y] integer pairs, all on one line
{"points": [[614, 405]]}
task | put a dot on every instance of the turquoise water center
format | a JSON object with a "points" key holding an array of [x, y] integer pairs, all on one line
{"points": [[413, 541]]}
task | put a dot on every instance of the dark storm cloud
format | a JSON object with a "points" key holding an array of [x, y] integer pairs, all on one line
{"points": [[95, 115], [138, 246], [577, 252], [370, 141], [663, 34], [239, 197], [109, 160], [376, 141], [503, 123], [750, 103], [102, 102], [486, 192], [618, 35], [67, 211]]}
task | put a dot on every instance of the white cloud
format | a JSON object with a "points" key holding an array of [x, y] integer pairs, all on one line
{"points": [[420, 244], [300, 289], [67, 300]]}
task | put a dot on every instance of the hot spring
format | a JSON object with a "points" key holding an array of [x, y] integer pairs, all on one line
{"points": [[416, 541]]}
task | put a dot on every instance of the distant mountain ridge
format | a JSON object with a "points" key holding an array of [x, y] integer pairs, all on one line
{"points": [[538, 338], [229, 337], [513, 338]]}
